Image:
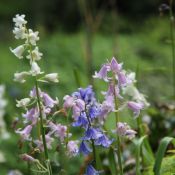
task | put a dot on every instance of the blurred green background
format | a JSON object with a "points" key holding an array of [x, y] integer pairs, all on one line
{"points": [[76, 37]]}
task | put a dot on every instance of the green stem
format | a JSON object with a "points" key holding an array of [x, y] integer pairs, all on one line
{"points": [[172, 43], [43, 129], [118, 138]]}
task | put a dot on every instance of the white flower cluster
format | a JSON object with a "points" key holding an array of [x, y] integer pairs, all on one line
{"points": [[3, 132], [28, 50]]}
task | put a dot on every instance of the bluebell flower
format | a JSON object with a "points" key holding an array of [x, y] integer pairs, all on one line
{"points": [[94, 111], [84, 148], [81, 121], [91, 170], [103, 141], [92, 133], [87, 94]]}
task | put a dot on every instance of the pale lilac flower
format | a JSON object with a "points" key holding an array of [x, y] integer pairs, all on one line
{"points": [[14, 172], [53, 77], [28, 158], [18, 51], [68, 101], [135, 107], [115, 66], [49, 141], [48, 101], [58, 130], [123, 129], [19, 20], [72, 148], [31, 115], [102, 74], [25, 133]]}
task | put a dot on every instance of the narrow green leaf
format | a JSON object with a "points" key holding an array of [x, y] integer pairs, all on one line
{"points": [[161, 152], [112, 162], [139, 143]]}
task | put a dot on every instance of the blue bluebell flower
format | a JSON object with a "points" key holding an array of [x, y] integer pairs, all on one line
{"points": [[103, 141], [84, 148], [92, 133], [91, 170], [81, 121]]}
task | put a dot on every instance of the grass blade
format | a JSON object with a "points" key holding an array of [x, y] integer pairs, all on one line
{"points": [[161, 152]]}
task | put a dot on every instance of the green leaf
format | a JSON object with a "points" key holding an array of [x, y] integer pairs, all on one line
{"points": [[161, 152], [112, 162], [139, 143]]}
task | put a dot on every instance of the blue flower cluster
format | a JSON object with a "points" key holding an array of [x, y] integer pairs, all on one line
{"points": [[86, 111]]}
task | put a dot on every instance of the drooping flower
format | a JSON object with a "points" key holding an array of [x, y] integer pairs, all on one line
{"points": [[72, 148], [28, 158], [53, 77], [19, 20], [102, 74], [104, 141], [84, 148], [92, 133], [35, 55], [18, 51], [48, 101], [135, 107], [91, 170], [35, 69], [25, 133], [20, 33], [32, 37], [23, 102], [20, 77]]}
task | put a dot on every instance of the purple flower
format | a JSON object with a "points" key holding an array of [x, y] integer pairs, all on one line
{"points": [[123, 129], [103, 141], [92, 133], [68, 101], [27, 158], [25, 133], [58, 130], [31, 116], [122, 79], [115, 67], [84, 148], [72, 148], [102, 74], [135, 107], [48, 101], [91, 170], [40, 145], [94, 111]]}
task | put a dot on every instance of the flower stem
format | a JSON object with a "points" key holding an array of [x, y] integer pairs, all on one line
{"points": [[172, 42], [118, 138], [42, 129]]}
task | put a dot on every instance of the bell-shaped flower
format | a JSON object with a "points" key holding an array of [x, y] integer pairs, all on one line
{"points": [[104, 141], [18, 51], [23, 102], [91, 170], [28, 158], [31, 116], [102, 74], [32, 37], [84, 148], [68, 101], [20, 76], [20, 32], [35, 69], [49, 141], [81, 121], [25, 133], [19, 20], [72, 148], [92, 133], [135, 107], [52, 77], [115, 66], [48, 101], [35, 55]]}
